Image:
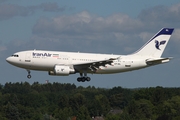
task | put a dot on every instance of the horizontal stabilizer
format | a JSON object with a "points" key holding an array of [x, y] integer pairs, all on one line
{"points": [[157, 61]]}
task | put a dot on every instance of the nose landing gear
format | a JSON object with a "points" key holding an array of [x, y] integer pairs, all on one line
{"points": [[29, 74]]}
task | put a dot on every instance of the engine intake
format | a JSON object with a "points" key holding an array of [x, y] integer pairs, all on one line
{"points": [[62, 70]]}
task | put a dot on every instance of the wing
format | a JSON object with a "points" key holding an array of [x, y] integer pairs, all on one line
{"points": [[93, 66]]}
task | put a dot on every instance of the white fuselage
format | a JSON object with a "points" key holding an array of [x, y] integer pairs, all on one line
{"points": [[46, 60]]}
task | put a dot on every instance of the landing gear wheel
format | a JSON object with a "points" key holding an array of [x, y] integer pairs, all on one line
{"points": [[83, 79], [79, 79], [88, 79], [29, 76]]}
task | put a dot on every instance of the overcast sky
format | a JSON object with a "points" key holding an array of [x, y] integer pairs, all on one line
{"points": [[98, 26]]}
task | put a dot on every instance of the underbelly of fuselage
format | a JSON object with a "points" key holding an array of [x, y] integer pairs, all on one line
{"points": [[102, 70]]}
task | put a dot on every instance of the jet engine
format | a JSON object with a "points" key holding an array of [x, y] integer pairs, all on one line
{"points": [[62, 70]]}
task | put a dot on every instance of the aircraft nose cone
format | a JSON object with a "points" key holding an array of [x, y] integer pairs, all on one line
{"points": [[8, 60]]}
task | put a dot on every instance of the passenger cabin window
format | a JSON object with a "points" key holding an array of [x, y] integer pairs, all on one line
{"points": [[15, 55]]}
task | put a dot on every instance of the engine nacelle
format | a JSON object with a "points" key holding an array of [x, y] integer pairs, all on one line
{"points": [[62, 70]]}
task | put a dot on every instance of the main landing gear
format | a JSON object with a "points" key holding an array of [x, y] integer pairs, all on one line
{"points": [[83, 78], [29, 74]]}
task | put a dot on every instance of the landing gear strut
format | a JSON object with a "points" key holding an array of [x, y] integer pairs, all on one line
{"points": [[83, 78], [29, 74]]}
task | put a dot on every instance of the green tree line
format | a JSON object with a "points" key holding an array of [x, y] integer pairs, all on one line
{"points": [[57, 101]]}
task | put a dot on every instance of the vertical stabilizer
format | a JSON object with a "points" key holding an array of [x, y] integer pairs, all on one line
{"points": [[156, 45]]}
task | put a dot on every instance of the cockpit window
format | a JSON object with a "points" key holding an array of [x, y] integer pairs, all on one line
{"points": [[15, 55]]}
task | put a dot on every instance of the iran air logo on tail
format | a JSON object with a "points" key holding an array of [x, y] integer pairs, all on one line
{"points": [[157, 44]]}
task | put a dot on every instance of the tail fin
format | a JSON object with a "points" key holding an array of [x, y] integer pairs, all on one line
{"points": [[156, 45]]}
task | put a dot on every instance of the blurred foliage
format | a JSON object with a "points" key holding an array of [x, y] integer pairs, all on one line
{"points": [[57, 101]]}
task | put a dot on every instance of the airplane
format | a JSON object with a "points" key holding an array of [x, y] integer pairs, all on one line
{"points": [[60, 63]]}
